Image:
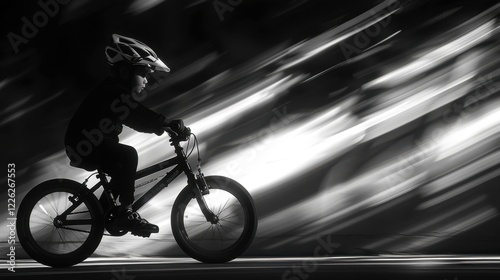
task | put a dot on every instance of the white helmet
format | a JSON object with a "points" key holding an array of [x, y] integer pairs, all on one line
{"points": [[134, 52]]}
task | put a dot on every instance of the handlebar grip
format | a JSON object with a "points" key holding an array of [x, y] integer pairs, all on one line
{"points": [[176, 126]]}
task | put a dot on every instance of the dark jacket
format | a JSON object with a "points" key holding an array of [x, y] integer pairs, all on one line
{"points": [[104, 111]]}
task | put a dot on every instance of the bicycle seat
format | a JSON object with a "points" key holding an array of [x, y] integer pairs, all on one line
{"points": [[84, 165]]}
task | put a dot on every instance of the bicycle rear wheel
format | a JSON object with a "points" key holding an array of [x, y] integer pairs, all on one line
{"points": [[59, 246], [221, 242]]}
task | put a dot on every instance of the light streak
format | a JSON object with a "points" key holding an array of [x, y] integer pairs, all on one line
{"points": [[437, 56]]}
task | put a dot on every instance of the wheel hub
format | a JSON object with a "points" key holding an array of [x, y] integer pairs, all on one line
{"points": [[58, 223], [215, 220]]}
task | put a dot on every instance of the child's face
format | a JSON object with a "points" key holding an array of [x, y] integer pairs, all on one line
{"points": [[139, 79]]}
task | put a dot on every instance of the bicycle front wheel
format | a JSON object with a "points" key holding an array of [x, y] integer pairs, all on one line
{"points": [[59, 245], [221, 242]]}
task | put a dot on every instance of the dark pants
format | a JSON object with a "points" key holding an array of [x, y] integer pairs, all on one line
{"points": [[118, 161]]}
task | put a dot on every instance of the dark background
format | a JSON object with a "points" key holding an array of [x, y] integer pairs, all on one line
{"points": [[213, 59]]}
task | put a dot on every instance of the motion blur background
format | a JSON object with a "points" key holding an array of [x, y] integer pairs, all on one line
{"points": [[371, 124]]}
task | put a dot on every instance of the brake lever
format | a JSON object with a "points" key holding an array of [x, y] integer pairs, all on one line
{"points": [[171, 131]]}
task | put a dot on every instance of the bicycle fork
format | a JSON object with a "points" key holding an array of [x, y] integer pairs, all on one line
{"points": [[199, 192], [200, 187]]}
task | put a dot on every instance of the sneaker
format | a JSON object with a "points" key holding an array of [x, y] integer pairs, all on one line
{"points": [[132, 221]]}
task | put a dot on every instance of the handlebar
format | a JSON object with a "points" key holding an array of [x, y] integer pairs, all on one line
{"points": [[178, 135]]}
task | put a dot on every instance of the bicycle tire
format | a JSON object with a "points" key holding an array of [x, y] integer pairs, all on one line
{"points": [[219, 186], [27, 218]]}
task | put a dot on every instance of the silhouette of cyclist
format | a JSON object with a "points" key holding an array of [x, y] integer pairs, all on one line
{"points": [[92, 136]]}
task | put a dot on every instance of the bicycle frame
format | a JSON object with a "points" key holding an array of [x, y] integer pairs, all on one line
{"points": [[181, 165]]}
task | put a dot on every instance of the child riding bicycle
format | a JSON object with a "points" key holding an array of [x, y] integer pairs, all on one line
{"points": [[91, 138]]}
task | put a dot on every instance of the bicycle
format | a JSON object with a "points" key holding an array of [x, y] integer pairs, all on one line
{"points": [[61, 222]]}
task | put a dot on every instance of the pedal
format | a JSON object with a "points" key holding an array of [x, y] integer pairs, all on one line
{"points": [[141, 233]]}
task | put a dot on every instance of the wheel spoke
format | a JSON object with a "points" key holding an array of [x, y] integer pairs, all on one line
{"points": [[208, 229], [75, 230], [63, 240], [216, 237], [226, 230], [58, 233], [192, 227], [232, 214], [52, 203], [228, 207], [220, 239], [220, 211], [225, 221], [45, 211]]}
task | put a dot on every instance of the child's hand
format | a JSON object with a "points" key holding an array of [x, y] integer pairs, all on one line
{"points": [[177, 125]]}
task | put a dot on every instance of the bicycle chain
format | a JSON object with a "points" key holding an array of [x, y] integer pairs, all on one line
{"points": [[80, 212], [80, 230]]}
